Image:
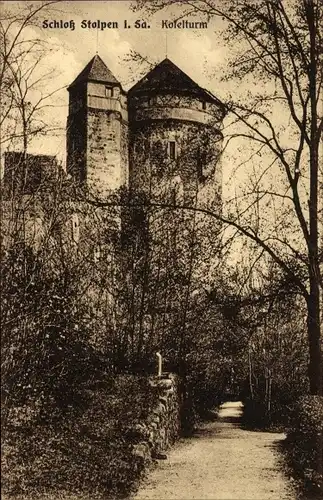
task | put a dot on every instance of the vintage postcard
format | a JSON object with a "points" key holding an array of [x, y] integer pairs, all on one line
{"points": [[161, 249]]}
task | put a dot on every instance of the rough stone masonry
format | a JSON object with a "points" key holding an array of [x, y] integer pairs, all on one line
{"points": [[162, 427]]}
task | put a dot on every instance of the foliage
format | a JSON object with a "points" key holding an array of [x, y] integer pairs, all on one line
{"points": [[55, 296], [83, 452], [277, 360], [46, 327], [305, 440]]}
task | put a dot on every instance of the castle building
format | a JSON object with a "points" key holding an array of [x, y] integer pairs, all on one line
{"points": [[162, 137], [161, 140]]}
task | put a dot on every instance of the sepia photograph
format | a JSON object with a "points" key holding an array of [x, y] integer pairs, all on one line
{"points": [[161, 210]]}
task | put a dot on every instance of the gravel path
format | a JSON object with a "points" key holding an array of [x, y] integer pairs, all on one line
{"points": [[221, 462]]}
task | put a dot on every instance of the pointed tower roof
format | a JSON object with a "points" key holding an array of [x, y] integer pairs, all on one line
{"points": [[166, 76], [96, 70]]}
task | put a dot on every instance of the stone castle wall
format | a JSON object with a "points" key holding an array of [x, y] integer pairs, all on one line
{"points": [[162, 427], [105, 165]]}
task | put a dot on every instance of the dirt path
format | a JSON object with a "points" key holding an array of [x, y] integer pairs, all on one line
{"points": [[221, 462]]}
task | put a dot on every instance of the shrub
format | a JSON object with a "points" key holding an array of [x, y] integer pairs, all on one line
{"points": [[254, 413], [83, 451], [257, 414], [305, 439]]}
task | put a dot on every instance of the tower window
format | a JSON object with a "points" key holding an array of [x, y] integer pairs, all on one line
{"points": [[108, 92], [204, 105], [172, 150]]}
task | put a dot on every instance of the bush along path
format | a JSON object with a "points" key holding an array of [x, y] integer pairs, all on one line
{"points": [[221, 461]]}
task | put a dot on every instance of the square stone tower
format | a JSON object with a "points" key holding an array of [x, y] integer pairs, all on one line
{"points": [[97, 130]]}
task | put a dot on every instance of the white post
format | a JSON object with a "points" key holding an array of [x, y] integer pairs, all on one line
{"points": [[159, 363]]}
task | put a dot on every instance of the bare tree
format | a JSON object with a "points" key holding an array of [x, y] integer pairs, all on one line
{"points": [[24, 76]]}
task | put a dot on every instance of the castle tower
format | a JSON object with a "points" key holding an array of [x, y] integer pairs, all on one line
{"points": [[97, 130], [175, 136]]}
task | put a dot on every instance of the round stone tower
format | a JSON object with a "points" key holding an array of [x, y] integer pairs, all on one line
{"points": [[97, 130], [175, 136]]}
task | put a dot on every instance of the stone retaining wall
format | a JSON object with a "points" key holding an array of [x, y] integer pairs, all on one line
{"points": [[162, 427]]}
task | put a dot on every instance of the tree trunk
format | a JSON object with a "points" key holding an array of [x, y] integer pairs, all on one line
{"points": [[313, 329], [250, 374], [313, 300]]}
